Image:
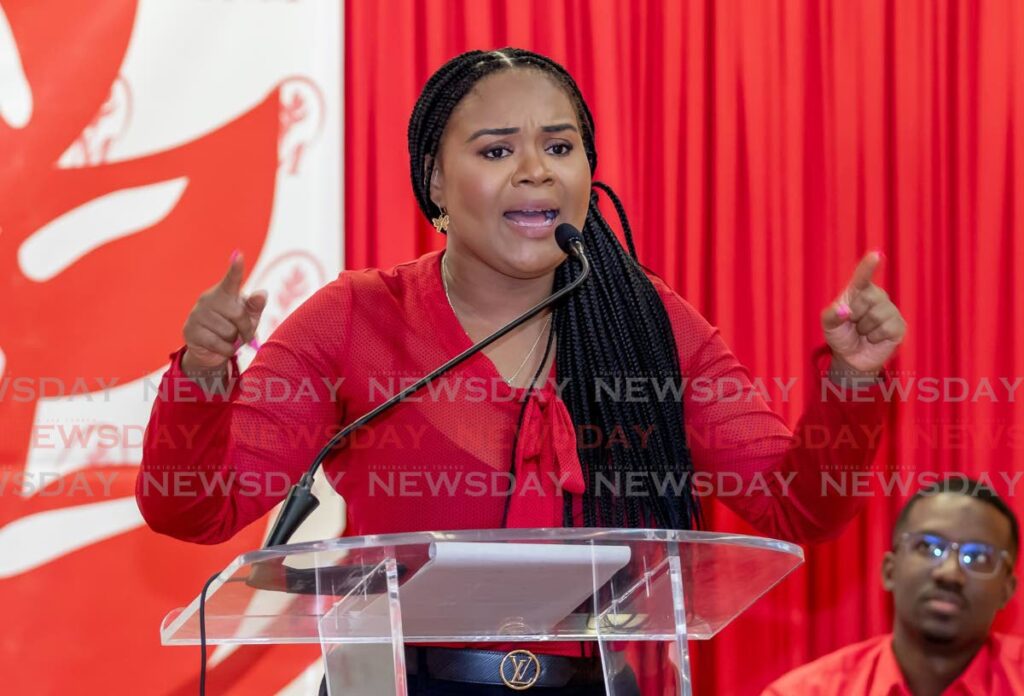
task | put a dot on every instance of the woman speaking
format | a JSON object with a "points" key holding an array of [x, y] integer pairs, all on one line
{"points": [[502, 152]]}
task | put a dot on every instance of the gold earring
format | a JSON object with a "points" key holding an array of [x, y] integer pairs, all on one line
{"points": [[441, 222]]}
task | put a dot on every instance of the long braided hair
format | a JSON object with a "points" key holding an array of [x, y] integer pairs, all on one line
{"points": [[613, 327]]}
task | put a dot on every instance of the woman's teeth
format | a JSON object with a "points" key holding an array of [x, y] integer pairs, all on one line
{"points": [[532, 218]]}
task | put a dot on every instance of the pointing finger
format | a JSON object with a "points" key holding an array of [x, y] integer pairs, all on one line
{"points": [[231, 284], [862, 274]]}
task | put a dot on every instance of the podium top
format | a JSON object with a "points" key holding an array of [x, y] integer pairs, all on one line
{"points": [[488, 585]]}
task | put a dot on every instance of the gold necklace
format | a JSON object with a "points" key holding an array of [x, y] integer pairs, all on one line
{"points": [[508, 380]]}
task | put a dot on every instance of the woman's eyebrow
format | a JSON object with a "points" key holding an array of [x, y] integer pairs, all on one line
{"points": [[556, 128]]}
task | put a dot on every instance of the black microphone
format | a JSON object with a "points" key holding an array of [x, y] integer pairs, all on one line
{"points": [[301, 501], [571, 242]]}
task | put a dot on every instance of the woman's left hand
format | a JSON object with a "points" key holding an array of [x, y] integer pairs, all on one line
{"points": [[863, 326]]}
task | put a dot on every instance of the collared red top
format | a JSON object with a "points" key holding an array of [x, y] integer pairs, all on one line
{"points": [[869, 668]]}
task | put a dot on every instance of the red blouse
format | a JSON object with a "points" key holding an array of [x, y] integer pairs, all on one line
{"points": [[441, 460]]}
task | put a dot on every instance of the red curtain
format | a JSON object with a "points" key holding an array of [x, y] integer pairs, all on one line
{"points": [[761, 148]]}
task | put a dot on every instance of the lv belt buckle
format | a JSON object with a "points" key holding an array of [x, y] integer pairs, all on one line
{"points": [[519, 670]]}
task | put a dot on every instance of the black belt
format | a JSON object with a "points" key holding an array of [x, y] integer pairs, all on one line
{"points": [[518, 669]]}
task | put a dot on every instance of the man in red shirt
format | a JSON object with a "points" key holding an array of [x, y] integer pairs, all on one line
{"points": [[951, 570]]}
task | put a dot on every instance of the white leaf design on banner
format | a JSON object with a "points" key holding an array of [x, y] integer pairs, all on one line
{"points": [[55, 246], [15, 93], [22, 546]]}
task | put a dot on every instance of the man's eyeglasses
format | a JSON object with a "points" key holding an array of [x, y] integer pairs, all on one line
{"points": [[975, 557]]}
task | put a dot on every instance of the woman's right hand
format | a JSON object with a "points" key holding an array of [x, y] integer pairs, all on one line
{"points": [[221, 321]]}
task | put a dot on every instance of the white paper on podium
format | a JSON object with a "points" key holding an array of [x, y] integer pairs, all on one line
{"points": [[482, 589]]}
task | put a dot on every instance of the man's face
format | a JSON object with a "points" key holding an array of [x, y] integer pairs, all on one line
{"points": [[937, 600]]}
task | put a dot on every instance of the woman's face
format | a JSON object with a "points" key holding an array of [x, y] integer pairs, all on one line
{"points": [[510, 168]]}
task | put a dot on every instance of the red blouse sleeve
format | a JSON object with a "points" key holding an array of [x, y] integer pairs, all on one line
{"points": [[736, 437], [204, 473]]}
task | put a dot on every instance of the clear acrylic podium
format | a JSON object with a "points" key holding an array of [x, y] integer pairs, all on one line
{"points": [[363, 599]]}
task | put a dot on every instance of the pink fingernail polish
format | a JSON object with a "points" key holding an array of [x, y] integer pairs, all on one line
{"points": [[843, 311], [234, 255], [881, 254], [254, 344]]}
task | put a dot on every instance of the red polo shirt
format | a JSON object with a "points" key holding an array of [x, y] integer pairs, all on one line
{"points": [[870, 669]]}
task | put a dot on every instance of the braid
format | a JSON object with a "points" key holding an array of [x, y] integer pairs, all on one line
{"points": [[614, 329], [615, 326], [621, 210]]}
